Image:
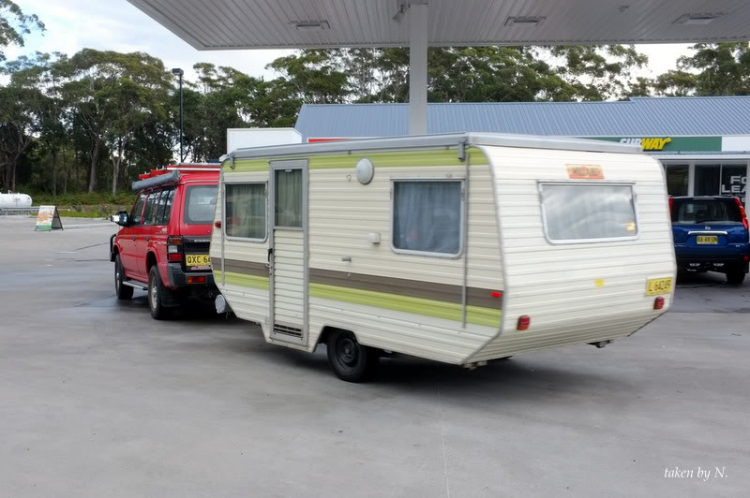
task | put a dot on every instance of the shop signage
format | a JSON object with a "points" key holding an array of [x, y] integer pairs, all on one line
{"points": [[735, 185], [647, 143], [671, 144]]}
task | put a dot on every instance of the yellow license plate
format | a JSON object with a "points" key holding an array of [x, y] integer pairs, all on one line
{"points": [[197, 260], [656, 286], [707, 239]]}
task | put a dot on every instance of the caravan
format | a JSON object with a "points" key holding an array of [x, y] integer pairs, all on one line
{"points": [[460, 248]]}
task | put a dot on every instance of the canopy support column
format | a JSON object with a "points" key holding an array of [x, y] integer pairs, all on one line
{"points": [[418, 39]]}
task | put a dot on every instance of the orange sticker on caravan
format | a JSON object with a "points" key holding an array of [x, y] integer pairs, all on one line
{"points": [[585, 172]]}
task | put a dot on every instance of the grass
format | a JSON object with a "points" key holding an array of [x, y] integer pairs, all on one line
{"points": [[81, 214], [125, 198]]}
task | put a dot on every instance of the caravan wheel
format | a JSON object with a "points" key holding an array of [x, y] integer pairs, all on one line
{"points": [[349, 360]]}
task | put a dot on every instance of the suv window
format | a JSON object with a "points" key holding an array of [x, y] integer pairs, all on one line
{"points": [[135, 216], [200, 205], [152, 206], [699, 211], [165, 207]]}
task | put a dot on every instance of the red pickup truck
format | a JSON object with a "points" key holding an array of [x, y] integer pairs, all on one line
{"points": [[163, 244]]}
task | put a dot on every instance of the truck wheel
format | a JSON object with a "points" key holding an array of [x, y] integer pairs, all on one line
{"points": [[123, 291], [155, 290], [350, 361], [736, 276]]}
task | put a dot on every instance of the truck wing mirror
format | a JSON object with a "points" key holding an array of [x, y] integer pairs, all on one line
{"points": [[120, 218]]}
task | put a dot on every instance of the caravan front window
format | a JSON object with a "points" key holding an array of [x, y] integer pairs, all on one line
{"points": [[245, 210], [427, 217], [577, 212]]}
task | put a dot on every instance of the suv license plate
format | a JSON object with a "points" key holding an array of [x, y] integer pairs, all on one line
{"points": [[707, 239], [197, 260], [656, 286]]}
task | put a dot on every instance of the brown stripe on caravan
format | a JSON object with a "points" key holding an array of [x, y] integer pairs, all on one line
{"points": [[405, 287], [238, 266]]}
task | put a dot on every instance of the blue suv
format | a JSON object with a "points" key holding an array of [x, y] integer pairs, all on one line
{"points": [[711, 234]]}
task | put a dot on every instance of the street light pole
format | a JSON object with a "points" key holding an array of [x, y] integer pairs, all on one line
{"points": [[179, 72]]}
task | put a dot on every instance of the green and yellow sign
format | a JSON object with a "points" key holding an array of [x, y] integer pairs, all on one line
{"points": [[670, 144]]}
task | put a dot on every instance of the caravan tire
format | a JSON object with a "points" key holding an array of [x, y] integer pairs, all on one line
{"points": [[350, 361], [123, 291]]}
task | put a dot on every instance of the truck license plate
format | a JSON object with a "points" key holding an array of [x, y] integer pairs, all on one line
{"points": [[197, 260], [656, 286], [707, 239]]}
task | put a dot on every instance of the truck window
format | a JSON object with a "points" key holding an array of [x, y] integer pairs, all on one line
{"points": [[588, 213], [246, 210], [699, 211], [427, 217], [152, 206], [200, 205], [135, 216], [165, 207]]}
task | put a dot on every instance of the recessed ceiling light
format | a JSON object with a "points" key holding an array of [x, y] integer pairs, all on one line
{"points": [[524, 21], [311, 25], [698, 19]]}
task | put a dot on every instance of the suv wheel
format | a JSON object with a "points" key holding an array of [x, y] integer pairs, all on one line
{"points": [[123, 291], [736, 276], [155, 290]]}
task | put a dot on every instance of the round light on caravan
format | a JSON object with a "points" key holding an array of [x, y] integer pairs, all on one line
{"points": [[365, 171]]}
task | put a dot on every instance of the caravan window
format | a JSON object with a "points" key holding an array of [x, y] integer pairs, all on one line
{"points": [[427, 217], [246, 210], [588, 212]]}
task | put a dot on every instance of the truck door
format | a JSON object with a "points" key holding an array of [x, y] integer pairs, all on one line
{"points": [[149, 231], [287, 252], [128, 236]]}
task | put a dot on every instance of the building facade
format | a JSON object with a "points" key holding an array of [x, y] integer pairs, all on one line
{"points": [[703, 142]]}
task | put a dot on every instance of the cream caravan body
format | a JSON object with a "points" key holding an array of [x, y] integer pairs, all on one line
{"points": [[458, 248]]}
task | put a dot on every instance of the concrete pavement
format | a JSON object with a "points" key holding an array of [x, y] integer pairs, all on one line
{"points": [[98, 399]]}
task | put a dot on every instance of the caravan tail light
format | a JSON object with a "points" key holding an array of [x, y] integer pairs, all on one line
{"points": [[743, 214], [217, 224], [659, 303], [671, 205], [174, 249], [524, 322]]}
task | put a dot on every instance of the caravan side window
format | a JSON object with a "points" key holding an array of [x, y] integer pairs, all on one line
{"points": [[427, 217], [245, 210], [577, 212]]}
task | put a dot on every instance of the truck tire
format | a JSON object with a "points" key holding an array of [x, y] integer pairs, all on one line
{"points": [[155, 290], [350, 361], [123, 291], [736, 276]]}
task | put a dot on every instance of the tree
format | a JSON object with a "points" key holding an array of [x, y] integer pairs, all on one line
{"points": [[113, 94], [14, 24]]}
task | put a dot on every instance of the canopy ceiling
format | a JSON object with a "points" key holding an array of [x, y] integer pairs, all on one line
{"points": [[247, 24]]}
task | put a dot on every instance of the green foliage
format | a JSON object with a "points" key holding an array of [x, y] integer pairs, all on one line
{"points": [[98, 118], [14, 24]]}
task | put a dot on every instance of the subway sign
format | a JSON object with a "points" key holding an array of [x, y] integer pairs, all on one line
{"points": [[647, 143], [670, 144]]}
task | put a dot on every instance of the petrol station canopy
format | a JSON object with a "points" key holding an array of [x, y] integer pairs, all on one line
{"points": [[258, 24], [248, 24]]}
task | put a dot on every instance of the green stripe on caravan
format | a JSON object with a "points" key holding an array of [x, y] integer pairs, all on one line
{"points": [[242, 280], [415, 305], [379, 159]]}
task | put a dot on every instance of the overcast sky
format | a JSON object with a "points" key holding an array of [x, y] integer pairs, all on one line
{"points": [[117, 25]]}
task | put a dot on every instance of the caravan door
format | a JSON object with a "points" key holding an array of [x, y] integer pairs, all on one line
{"points": [[287, 252]]}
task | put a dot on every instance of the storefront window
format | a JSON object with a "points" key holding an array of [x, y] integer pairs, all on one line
{"points": [[707, 179], [677, 179]]}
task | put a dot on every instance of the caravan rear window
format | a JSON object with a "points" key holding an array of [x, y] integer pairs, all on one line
{"points": [[588, 212]]}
